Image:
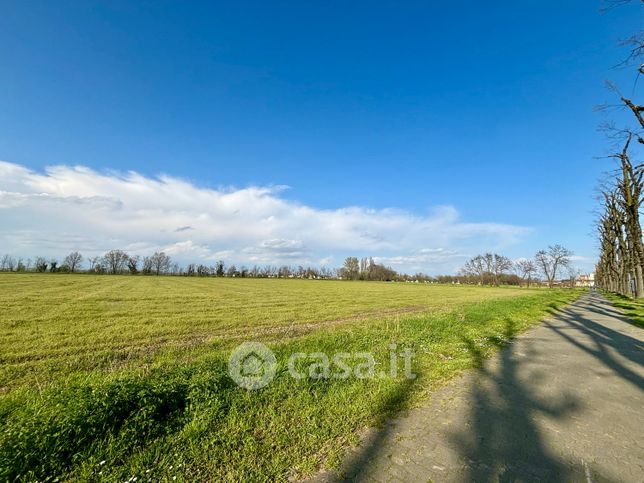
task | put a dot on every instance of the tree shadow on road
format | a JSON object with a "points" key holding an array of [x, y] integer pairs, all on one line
{"points": [[599, 305], [503, 442], [604, 343]]}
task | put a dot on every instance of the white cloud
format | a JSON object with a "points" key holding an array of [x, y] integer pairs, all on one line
{"points": [[425, 257], [67, 208]]}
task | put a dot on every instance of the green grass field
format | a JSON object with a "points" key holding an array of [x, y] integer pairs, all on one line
{"points": [[632, 308], [114, 377]]}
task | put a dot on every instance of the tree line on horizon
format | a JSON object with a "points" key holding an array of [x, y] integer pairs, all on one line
{"points": [[620, 267], [486, 269], [119, 262]]}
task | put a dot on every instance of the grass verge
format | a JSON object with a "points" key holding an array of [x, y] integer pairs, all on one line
{"points": [[632, 308]]}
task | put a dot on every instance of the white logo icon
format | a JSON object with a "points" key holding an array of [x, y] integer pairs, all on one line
{"points": [[252, 365]]}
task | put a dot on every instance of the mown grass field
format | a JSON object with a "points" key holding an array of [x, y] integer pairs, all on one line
{"points": [[110, 377]]}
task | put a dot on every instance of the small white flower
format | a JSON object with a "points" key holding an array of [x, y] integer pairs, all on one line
{"points": [[171, 466], [174, 477], [102, 462]]}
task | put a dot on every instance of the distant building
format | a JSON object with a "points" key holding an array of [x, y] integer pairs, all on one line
{"points": [[586, 280]]}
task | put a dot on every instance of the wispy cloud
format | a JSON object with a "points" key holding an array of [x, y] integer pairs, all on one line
{"points": [[66, 208]]}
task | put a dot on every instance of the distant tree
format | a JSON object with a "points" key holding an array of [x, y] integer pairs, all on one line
{"points": [[488, 261], [475, 267], [351, 268], [573, 275], [284, 272], [364, 267], [220, 268], [93, 263], [526, 270], [232, 271], [204, 271], [268, 271], [147, 265], [551, 260], [161, 263], [487, 268], [73, 261], [133, 264], [500, 266], [115, 261], [53, 265], [326, 272], [41, 264], [8, 263]]}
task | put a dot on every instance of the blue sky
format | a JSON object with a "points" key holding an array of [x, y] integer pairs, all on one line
{"points": [[483, 108]]}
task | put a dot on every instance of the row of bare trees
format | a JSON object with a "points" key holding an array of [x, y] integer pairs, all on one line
{"points": [[116, 262], [113, 262], [495, 269], [621, 260], [487, 269], [71, 264]]}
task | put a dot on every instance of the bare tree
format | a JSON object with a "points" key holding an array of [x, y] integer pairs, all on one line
{"points": [[630, 190], [499, 266], [612, 271], [41, 264], [488, 260], [8, 263], [573, 275], [204, 271], [93, 261], [526, 269], [133, 264], [490, 267], [115, 261], [475, 267], [160, 263], [621, 261], [551, 260], [351, 268], [220, 268], [232, 271], [73, 261]]}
